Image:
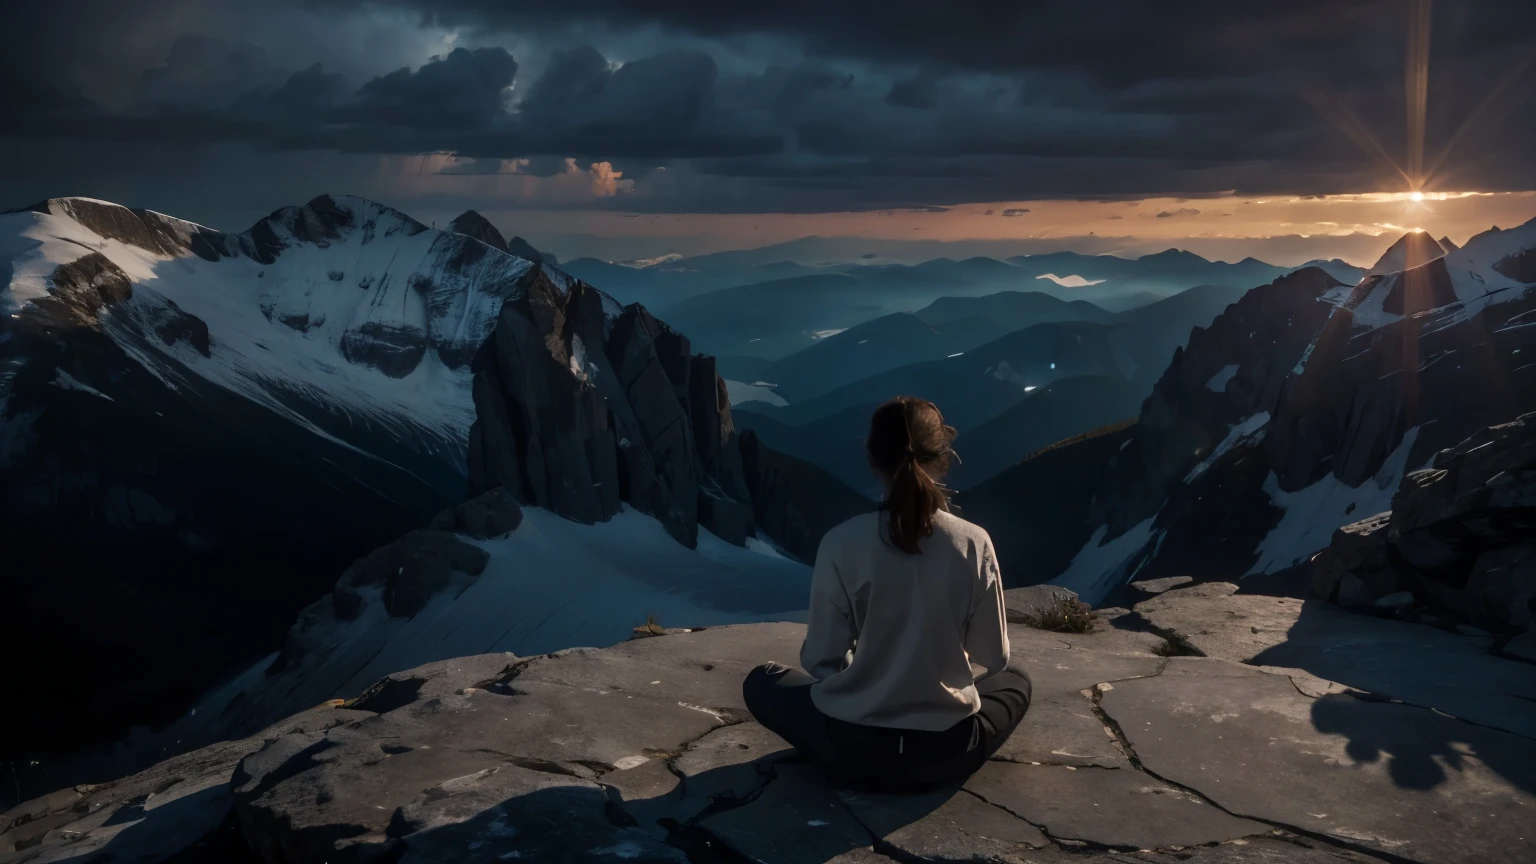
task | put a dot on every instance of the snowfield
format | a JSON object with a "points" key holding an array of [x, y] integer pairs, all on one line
{"points": [[551, 584]]}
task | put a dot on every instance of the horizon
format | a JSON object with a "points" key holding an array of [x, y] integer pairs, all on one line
{"points": [[619, 133]]}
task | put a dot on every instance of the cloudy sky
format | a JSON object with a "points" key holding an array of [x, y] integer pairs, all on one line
{"points": [[1285, 130]]}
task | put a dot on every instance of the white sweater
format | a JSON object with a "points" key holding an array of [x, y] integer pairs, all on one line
{"points": [[898, 640]]}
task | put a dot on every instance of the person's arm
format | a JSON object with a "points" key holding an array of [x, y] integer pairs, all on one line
{"points": [[986, 634], [829, 633]]}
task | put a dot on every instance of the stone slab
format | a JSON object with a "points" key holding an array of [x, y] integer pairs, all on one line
{"points": [[701, 667], [1387, 777], [947, 825], [1062, 731], [1106, 807], [1417, 664], [798, 817]]}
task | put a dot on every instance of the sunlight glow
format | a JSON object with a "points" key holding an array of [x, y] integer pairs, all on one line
{"points": [[1417, 196]]}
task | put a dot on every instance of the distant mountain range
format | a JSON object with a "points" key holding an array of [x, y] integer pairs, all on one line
{"points": [[753, 304], [1068, 367]]}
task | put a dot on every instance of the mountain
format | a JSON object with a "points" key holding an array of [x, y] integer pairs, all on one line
{"points": [[1304, 406], [203, 429], [775, 307], [1014, 310], [1054, 412], [265, 406], [1035, 510], [991, 384], [776, 318], [1413, 249], [874, 347], [1344, 271], [472, 224]]}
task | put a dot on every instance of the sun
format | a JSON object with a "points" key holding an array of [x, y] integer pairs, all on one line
{"points": [[1417, 196]]}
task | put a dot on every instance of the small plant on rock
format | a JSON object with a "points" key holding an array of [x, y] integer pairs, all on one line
{"points": [[651, 627], [1063, 615]]}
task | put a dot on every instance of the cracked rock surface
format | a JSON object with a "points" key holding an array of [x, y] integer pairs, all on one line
{"points": [[644, 752]]}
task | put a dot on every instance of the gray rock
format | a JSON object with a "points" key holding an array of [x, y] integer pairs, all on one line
{"points": [[1388, 777], [1419, 665], [506, 813], [730, 763], [1062, 730], [151, 815], [493, 513], [798, 817], [947, 825], [1395, 601], [1110, 808], [1359, 546], [705, 667], [1459, 533], [1153, 587], [1028, 604]]}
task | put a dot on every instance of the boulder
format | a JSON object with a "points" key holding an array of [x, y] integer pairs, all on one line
{"points": [[494, 513], [1148, 588], [1461, 533], [1031, 604], [408, 572]]}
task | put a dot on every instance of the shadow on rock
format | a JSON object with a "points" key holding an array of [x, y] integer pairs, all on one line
{"points": [[1421, 747], [648, 814]]}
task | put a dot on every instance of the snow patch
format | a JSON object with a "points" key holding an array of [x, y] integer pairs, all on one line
{"points": [[1099, 567], [1314, 513], [551, 584], [739, 392], [1221, 379], [823, 334], [66, 381], [1250, 431]]}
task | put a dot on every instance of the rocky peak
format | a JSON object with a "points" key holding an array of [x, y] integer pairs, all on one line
{"points": [[1226, 373], [471, 224], [1411, 250], [582, 405]]}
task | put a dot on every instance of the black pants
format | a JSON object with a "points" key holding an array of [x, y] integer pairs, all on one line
{"points": [[875, 758]]}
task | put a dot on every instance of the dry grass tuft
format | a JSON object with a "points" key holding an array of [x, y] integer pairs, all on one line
{"points": [[1063, 615], [651, 627]]}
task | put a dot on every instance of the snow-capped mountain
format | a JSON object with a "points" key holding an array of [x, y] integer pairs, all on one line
{"points": [[1411, 250], [1304, 404], [203, 429]]}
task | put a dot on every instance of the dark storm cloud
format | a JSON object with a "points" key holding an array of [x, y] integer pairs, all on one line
{"points": [[462, 90], [852, 105]]}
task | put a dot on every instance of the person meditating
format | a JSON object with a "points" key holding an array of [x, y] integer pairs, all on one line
{"points": [[907, 683]]}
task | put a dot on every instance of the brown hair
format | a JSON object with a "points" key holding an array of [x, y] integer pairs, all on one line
{"points": [[910, 446]]}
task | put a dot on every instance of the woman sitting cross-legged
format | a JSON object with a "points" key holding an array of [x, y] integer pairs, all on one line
{"points": [[906, 684]]}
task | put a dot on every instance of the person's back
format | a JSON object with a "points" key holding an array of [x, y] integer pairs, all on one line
{"points": [[906, 647], [921, 623]]}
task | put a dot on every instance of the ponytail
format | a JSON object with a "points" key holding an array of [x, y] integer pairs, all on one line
{"points": [[909, 445]]}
